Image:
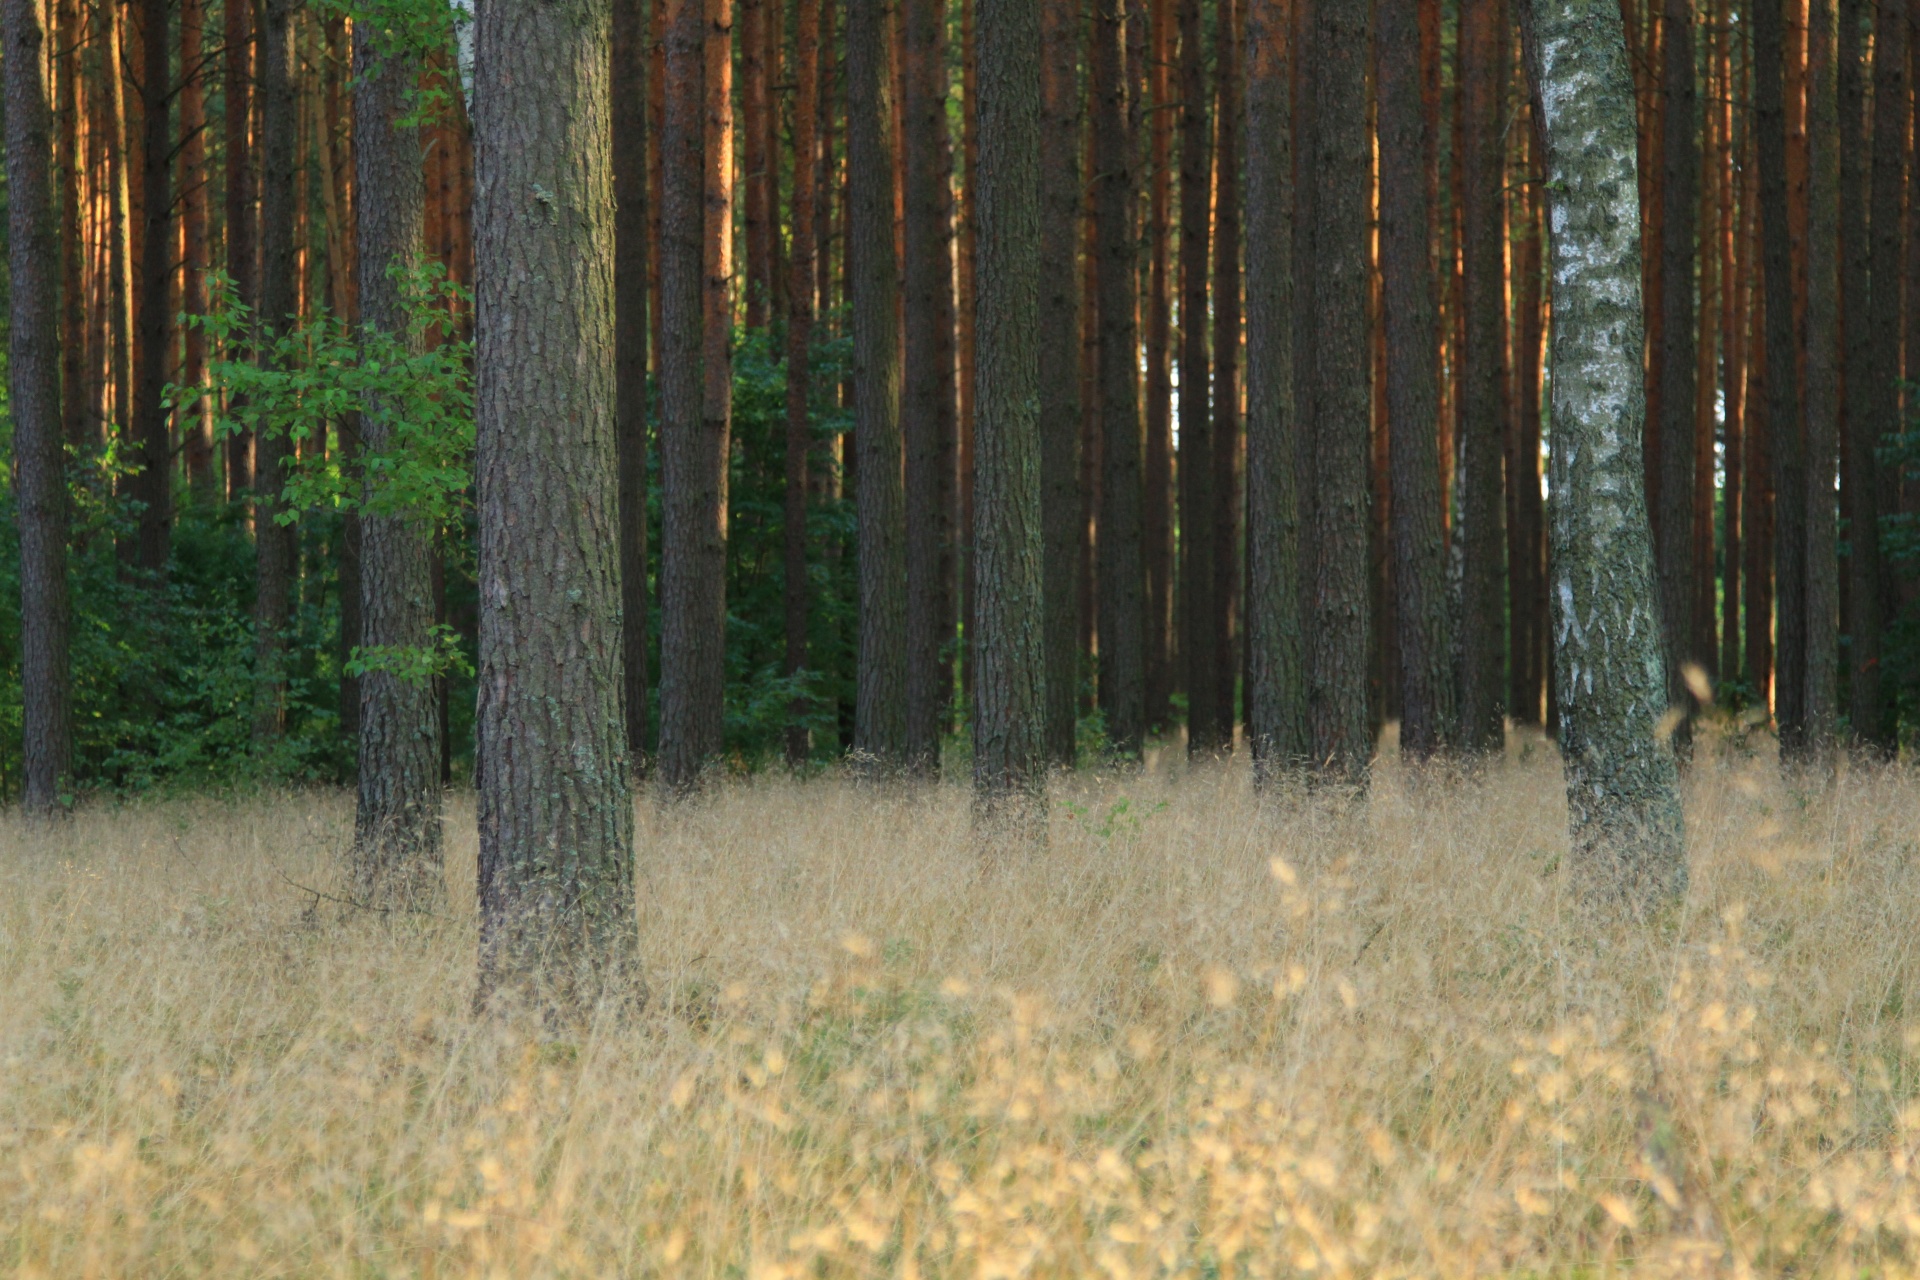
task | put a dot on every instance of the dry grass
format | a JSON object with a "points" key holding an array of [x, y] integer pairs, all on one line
{"points": [[1193, 1039]]}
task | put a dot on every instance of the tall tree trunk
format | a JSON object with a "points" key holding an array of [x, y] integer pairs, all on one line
{"points": [[75, 426], [927, 407], [1673, 515], [1705, 642], [1481, 500], [756, 176], [1782, 442], [797, 592], [1823, 388], [1277, 727], [197, 428], [1228, 155], [1009, 682], [242, 255], [1158, 510], [1059, 350], [1122, 588], [556, 818], [693, 457], [1205, 732], [1526, 520], [1427, 703], [1856, 248], [33, 386], [1735, 323], [279, 302], [1342, 747], [396, 849], [1873, 411], [1622, 795], [152, 423], [119, 337], [632, 218], [880, 721]]}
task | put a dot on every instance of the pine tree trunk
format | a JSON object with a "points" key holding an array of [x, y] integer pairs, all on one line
{"points": [[196, 428], [1009, 683], [1823, 388], [396, 861], [632, 219], [1735, 323], [1480, 531], [1856, 254], [756, 166], [33, 387], [693, 457], [1781, 446], [152, 434], [1526, 521], [1427, 703], [1205, 733], [1228, 156], [796, 590], [279, 302], [1673, 514], [1158, 511], [1122, 586], [927, 406], [556, 819], [1705, 642], [242, 255], [1342, 747], [1622, 797], [880, 722], [1277, 728], [1059, 350]]}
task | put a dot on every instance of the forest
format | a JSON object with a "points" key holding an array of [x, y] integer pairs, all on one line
{"points": [[960, 637]]}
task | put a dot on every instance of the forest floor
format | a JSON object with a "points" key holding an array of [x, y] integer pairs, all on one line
{"points": [[1196, 1037]]}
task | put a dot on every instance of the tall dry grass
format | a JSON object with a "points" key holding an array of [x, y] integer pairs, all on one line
{"points": [[1194, 1038]]}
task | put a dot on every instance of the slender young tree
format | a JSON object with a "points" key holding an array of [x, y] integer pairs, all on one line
{"points": [[197, 431], [557, 924], [1277, 703], [1823, 387], [1679, 193], [1427, 706], [632, 216], [796, 591], [152, 423], [241, 194], [1059, 349], [880, 720], [1622, 789], [1199, 617], [1342, 419], [33, 386], [396, 860], [1122, 567], [1009, 682]]}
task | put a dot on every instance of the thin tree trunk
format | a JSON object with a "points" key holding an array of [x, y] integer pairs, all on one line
{"points": [[1122, 585], [1277, 726], [197, 427], [1158, 510], [632, 219], [557, 918], [1856, 252], [1673, 514], [1622, 796], [1205, 733], [1823, 388], [1427, 704], [1228, 155], [33, 385], [1009, 685], [1735, 322], [152, 423], [797, 592], [880, 712], [1059, 349], [242, 257], [120, 231], [1705, 643], [1526, 521], [756, 167]]}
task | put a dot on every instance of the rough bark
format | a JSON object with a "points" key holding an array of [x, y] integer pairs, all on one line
{"points": [[557, 922], [1228, 156], [1277, 728], [796, 591], [927, 405], [33, 387], [1622, 797], [1158, 509], [1009, 682], [1205, 733], [1856, 246], [1823, 388], [1059, 346], [396, 859], [1735, 323], [1342, 747], [1526, 519], [1428, 708], [1122, 587], [630, 315], [880, 708]]}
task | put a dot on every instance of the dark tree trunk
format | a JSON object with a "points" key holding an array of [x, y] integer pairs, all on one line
{"points": [[756, 175], [274, 541], [1479, 531], [1673, 516], [1856, 249], [1526, 520], [1225, 442], [1823, 388], [1199, 617], [693, 551], [1059, 347], [396, 849], [1306, 287], [153, 436], [1427, 703], [33, 385], [796, 591], [1277, 726], [1009, 674], [1622, 798], [76, 426], [1782, 428], [1736, 321], [1122, 585], [1158, 510], [927, 407], [196, 426], [556, 818], [880, 721], [632, 217], [242, 256], [1342, 747]]}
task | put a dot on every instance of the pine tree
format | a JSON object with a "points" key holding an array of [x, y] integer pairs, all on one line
{"points": [[632, 214], [796, 590], [1059, 339]]}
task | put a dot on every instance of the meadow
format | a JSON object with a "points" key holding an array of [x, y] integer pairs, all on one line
{"points": [[1198, 1036]]}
